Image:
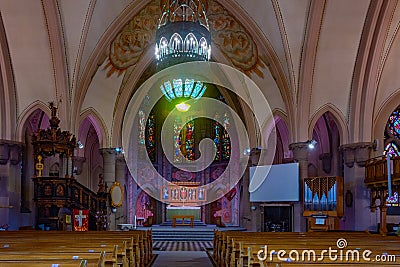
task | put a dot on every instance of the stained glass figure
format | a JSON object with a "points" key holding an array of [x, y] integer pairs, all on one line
{"points": [[189, 140], [225, 142], [217, 137], [177, 140], [151, 138], [142, 127]]}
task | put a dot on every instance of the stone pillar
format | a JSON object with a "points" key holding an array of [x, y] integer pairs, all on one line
{"points": [[358, 216], [10, 183], [120, 178], [300, 155], [109, 155]]}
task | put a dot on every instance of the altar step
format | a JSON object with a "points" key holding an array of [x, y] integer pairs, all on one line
{"points": [[183, 233], [197, 223]]}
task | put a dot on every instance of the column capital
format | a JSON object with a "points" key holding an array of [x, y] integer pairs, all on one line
{"points": [[356, 152], [10, 151], [300, 151], [255, 156], [108, 151]]}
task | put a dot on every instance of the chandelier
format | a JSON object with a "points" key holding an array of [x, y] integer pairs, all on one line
{"points": [[182, 35]]}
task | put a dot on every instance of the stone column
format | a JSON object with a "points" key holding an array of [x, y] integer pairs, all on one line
{"points": [[120, 178], [300, 155], [109, 155], [358, 216], [10, 182]]}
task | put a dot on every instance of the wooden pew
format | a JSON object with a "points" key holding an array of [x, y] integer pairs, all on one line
{"points": [[241, 248], [135, 247]]}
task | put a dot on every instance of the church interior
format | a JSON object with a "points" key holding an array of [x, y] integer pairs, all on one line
{"points": [[229, 122]]}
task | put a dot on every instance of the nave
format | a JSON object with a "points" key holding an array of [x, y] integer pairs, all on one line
{"points": [[230, 248]]}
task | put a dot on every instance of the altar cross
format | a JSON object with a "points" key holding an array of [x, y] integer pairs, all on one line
{"points": [[79, 218]]}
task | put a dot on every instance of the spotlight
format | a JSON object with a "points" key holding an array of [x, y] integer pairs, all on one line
{"points": [[311, 144], [80, 145], [119, 150]]}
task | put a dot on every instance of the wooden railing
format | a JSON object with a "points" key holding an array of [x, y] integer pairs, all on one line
{"points": [[376, 171], [53, 193]]}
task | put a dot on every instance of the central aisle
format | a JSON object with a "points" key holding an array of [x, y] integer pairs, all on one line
{"points": [[182, 259]]}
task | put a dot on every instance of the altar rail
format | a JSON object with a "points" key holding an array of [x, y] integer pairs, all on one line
{"points": [[53, 193]]}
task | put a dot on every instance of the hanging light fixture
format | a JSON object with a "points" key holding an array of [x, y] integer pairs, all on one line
{"points": [[183, 35]]}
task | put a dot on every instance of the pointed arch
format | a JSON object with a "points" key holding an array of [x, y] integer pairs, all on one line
{"points": [[283, 137], [379, 123], [338, 118], [8, 93], [25, 115], [98, 124]]}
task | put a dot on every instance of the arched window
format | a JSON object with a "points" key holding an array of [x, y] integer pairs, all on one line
{"points": [[392, 134]]}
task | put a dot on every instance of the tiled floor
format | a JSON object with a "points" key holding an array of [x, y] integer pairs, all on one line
{"points": [[182, 259], [182, 245]]}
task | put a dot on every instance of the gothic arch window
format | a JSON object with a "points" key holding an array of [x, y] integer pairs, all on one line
{"points": [[147, 134], [392, 134]]}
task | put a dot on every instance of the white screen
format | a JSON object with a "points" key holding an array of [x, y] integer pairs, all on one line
{"points": [[274, 183]]}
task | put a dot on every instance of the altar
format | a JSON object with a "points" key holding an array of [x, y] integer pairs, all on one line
{"points": [[183, 211]]}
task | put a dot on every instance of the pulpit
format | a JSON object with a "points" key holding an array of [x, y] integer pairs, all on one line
{"points": [[60, 190]]}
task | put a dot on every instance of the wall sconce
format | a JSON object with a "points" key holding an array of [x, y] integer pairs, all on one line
{"points": [[349, 199]]}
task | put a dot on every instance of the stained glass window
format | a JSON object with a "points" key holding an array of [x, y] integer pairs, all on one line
{"points": [[392, 134], [221, 138], [142, 127], [189, 83], [394, 124], [226, 144], [177, 140], [151, 138], [393, 201], [178, 87], [392, 150], [217, 137], [189, 140]]}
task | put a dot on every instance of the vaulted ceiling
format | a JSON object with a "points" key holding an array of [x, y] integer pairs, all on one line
{"points": [[307, 56]]}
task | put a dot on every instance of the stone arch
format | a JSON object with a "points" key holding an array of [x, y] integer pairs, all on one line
{"points": [[8, 95], [283, 136], [35, 117], [379, 123], [338, 118], [25, 116], [325, 156], [99, 125]]}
